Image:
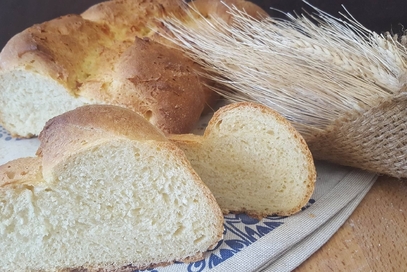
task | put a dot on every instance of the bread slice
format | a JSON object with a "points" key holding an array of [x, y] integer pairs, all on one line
{"points": [[253, 160], [106, 191]]}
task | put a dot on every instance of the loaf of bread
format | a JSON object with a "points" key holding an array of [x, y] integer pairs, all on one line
{"points": [[107, 191], [253, 161], [110, 54], [72, 61]]}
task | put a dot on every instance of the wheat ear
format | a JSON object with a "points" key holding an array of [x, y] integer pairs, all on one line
{"points": [[312, 68]]}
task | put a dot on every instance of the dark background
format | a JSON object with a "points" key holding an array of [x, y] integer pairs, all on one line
{"points": [[377, 15]]}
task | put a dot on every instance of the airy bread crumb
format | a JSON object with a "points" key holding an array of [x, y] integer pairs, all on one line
{"points": [[107, 190], [253, 160]]}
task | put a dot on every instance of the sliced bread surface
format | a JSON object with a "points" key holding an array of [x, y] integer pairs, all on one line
{"points": [[107, 192], [253, 160]]}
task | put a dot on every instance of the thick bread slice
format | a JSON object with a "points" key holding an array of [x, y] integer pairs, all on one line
{"points": [[107, 191], [253, 160]]}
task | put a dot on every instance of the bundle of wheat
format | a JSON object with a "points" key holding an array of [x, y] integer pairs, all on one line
{"points": [[341, 85]]}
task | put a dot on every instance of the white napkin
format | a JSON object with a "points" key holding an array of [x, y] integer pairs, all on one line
{"points": [[283, 243]]}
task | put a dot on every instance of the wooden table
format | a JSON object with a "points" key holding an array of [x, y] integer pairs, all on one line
{"points": [[374, 238]]}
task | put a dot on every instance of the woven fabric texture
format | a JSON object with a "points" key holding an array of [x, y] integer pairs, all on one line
{"points": [[373, 140]]}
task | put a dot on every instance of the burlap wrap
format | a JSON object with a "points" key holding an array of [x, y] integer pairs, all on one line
{"points": [[374, 139]]}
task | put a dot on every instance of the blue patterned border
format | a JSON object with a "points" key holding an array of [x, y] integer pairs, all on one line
{"points": [[240, 232], [4, 135]]}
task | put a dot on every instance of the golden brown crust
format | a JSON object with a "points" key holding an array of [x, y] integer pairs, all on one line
{"points": [[22, 171], [167, 85], [129, 268], [76, 129], [131, 18], [159, 82], [51, 49]]}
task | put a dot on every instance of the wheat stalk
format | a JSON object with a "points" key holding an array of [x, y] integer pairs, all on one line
{"points": [[312, 68]]}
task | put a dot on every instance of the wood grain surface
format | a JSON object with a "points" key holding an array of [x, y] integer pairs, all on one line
{"points": [[374, 238]]}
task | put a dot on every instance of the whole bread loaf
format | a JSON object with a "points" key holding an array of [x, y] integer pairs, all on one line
{"points": [[110, 54], [106, 192], [253, 161]]}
